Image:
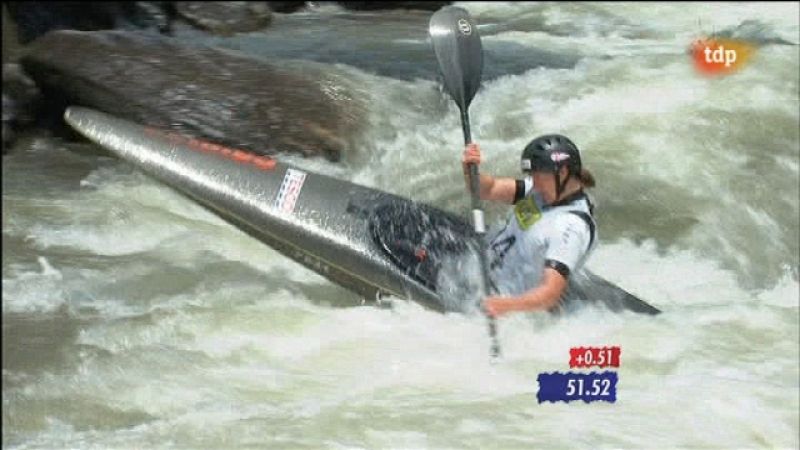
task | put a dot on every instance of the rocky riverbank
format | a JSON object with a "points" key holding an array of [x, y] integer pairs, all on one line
{"points": [[136, 70]]}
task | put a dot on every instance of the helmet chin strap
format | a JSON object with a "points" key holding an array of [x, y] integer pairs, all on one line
{"points": [[559, 184]]}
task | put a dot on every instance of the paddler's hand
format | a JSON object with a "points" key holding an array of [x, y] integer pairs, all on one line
{"points": [[472, 155], [496, 306]]}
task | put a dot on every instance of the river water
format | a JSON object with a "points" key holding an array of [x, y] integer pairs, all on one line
{"points": [[132, 318]]}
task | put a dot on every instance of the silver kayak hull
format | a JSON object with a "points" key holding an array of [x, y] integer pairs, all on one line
{"points": [[369, 241], [317, 220]]}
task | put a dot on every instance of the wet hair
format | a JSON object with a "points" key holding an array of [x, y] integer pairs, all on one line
{"points": [[586, 178]]}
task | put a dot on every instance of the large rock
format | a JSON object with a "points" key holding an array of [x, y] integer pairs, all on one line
{"points": [[225, 18], [20, 99], [34, 19], [286, 7], [12, 48], [201, 91], [371, 6]]}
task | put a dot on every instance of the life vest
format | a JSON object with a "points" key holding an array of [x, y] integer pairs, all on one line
{"points": [[536, 236]]}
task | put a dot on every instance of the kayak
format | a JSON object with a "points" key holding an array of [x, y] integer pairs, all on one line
{"points": [[371, 242]]}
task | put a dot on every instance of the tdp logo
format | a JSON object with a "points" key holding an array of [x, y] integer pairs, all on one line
{"points": [[720, 56]]}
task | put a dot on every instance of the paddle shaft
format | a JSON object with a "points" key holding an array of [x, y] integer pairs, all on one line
{"points": [[458, 50], [478, 222]]}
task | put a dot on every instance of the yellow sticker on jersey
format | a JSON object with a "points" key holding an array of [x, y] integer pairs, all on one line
{"points": [[527, 212]]}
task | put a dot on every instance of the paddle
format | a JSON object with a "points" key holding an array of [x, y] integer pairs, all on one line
{"points": [[458, 50]]}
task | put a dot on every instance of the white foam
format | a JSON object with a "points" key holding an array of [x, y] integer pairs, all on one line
{"points": [[785, 294], [717, 368], [33, 291], [668, 19]]}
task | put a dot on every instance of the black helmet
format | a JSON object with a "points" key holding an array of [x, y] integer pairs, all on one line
{"points": [[551, 152]]}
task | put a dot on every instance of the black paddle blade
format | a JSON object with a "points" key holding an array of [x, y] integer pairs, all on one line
{"points": [[458, 49]]}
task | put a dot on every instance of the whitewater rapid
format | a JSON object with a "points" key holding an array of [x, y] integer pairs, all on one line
{"points": [[132, 317]]}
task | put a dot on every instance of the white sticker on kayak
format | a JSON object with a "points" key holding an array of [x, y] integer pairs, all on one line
{"points": [[290, 190]]}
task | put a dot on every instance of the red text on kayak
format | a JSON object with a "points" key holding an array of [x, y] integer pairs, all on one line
{"points": [[239, 156]]}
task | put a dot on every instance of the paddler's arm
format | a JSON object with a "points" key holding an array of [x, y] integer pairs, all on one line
{"points": [[543, 297], [491, 188], [567, 244]]}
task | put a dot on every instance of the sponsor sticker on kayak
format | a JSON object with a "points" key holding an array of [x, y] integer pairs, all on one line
{"points": [[290, 190]]}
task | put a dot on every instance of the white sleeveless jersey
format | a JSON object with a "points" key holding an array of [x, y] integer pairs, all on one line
{"points": [[535, 235]]}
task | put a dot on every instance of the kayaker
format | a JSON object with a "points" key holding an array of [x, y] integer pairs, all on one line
{"points": [[550, 232]]}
